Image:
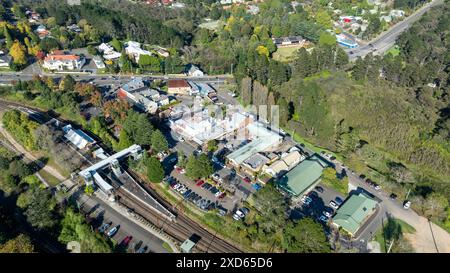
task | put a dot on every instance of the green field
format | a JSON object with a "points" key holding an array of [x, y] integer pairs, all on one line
{"points": [[285, 54], [394, 51]]}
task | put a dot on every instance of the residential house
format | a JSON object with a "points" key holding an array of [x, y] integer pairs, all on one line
{"points": [[42, 31], [108, 52], [194, 71], [134, 49], [60, 60], [99, 62]]}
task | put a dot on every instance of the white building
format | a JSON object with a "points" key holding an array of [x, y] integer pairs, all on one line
{"points": [[108, 52], [77, 137], [134, 49], [60, 61], [98, 62]]}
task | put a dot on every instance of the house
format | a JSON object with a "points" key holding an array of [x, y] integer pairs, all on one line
{"points": [[162, 52], [291, 41], [42, 31], [346, 40], [354, 212], [134, 49], [194, 71], [108, 52], [303, 177], [60, 60], [202, 89], [99, 62], [77, 137], [178, 86]]}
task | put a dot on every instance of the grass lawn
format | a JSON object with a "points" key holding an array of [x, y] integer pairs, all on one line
{"points": [[406, 228], [285, 54], [312, 147], [394, 51], [167, 247], [51, 180], [340, 186]]}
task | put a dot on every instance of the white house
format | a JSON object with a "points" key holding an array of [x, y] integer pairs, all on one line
{"points": [[134, 49], [98, 62], [108, 52], [58, 60], [194, 71]]}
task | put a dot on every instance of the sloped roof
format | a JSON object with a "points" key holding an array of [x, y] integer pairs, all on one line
{"points": [[303, 176], [351, 215]]}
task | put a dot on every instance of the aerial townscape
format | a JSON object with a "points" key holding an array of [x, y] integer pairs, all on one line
{"points": [[224, 126]]}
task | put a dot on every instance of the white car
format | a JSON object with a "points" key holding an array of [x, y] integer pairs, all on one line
{"points": [[326, 213], [323, 218], [236, 217], [306, 199], [218, 193], [240, 213], [232, 94], [407, 204], [177, 186], [333, 205]]}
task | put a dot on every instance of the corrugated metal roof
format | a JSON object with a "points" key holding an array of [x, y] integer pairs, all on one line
{"points": [[351, 215], [303, 176]]}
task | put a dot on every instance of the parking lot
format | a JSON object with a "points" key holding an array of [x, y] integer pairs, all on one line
{"points": [[141, 239], [320, 202]]}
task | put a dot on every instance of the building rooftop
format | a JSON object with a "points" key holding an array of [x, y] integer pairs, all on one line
{"points": [[177, 83], [303, 176], [256, 161], [352, 214]]}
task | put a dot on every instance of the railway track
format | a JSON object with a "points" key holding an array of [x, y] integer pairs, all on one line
{"points": [[180, 229]]}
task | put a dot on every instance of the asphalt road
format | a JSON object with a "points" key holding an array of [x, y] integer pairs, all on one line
{"points": [[387, 39]]}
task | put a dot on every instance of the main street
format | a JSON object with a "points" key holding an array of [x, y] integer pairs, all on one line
{"points": [[386, 40]]}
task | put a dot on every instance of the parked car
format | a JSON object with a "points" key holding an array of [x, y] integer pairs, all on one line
{"points": [[376, 186], [333, 205], [222, 195], [200, 182], [393, 196], [407, 204], [142, 250], [245, 210], [218, 193], [326, 213], [138, 246], [177, 186], [319, 189], [104, 227], [206, 186], [186, 194], [222, 212], [238, 215], [338, 200], [172, 160], [323, 218], [216, 177], [126, 241], [247, 180], [113, 231]]}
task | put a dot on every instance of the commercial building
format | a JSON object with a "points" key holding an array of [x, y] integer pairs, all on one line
{"points": [[178, 86], [346, 40], [354, 212], [143, 97], [201, 127], [303, 177], [60, 60], [262, 140], [284, 164]]}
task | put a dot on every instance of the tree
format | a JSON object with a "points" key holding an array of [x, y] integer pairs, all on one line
{"points": [[435, 206], [67, 83], [124, 140], [138, 128], [200, 166], [155, 171], [305, 236], [19, 169], [74, 228], [327, 39], [39, 207], [18, 53], [324, 19], [116, 44], [212, 145], [159, 142], [20, 244]]}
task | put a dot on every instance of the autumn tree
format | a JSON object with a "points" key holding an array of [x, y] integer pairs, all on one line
{"points": [[18, 53]]}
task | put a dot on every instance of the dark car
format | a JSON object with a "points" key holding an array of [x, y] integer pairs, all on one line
{"points": [[319, 189], [187, 193], [393, 196], [125, 242], [246, 211], [206, 186], [362, 176], [138, 246]]}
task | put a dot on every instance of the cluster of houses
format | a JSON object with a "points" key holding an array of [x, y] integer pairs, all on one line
{"points": [[139, 94]]}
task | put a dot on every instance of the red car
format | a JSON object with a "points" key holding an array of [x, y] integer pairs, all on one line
{"points": [[200, 182], [246, 179], [126, 241], [222, 195]]}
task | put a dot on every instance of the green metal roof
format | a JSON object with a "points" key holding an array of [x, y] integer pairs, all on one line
{"points": [[351, 215], [187, 246], [303, 176]]}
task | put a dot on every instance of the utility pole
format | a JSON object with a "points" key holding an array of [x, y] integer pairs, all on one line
{"points": [[390, 246], [406, 198]]}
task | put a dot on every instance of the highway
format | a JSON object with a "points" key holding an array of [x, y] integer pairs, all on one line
{"points": [[386, 40]]}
